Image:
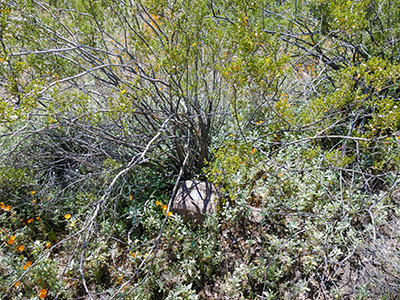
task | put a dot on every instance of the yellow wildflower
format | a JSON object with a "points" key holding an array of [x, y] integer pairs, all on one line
{"points": [[27, 265], [11, 240], [43, 294]]}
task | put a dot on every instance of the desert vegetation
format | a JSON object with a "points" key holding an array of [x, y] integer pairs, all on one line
{"points": [[289, 106]]}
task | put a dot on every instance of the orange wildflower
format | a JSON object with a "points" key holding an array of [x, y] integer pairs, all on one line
{"points": [[158, 202], [38, 218], [43, 294], [67, 216], [169, 213], [48, 245], [29, 221], [11, 240], [2, 205], [32, 192], [27, 265], [8, 207], [17, 284], [21, 248], [164, 207], [253, 151], [119, 281]]}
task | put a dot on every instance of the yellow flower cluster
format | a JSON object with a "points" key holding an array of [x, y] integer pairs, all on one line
{"points": [[43, 294], [27, 265], [5, 207], [164, 208]]}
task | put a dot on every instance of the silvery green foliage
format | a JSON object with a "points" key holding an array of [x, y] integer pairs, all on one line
{"points": [[183, 293]]}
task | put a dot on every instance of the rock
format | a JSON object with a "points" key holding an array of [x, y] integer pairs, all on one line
{"points": [[195, 199]]}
